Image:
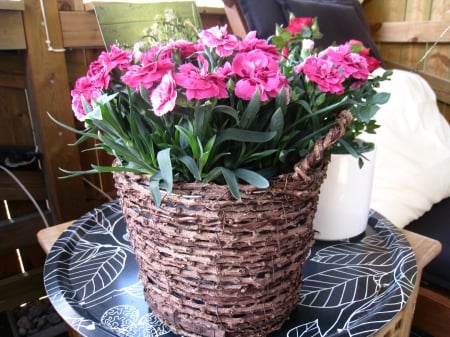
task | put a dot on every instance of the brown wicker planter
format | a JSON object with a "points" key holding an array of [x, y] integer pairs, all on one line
{"points": [[215, 266]]}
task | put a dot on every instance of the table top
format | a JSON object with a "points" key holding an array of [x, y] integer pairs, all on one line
{"points": [[351, 287]]}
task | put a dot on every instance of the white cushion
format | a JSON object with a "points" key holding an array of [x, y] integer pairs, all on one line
{"points": [[412, 169]]}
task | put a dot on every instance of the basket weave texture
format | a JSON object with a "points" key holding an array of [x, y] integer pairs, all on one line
{"points": [[215, 266]]}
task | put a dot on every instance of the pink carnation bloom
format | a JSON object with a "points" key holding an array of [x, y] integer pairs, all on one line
{"points": [[257, 71], [116, 57], [351, 64], [251, 42], [84, 88], [357, 46], [98, 75], [186, 48], [323, 73], [150, 55], [99, 70], [199, 83], [164, 96], [218, 38], [225, 71], [147, 74]]}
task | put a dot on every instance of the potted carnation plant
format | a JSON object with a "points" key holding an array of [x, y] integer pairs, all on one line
{"points": [[339, 72], [220, 148]]}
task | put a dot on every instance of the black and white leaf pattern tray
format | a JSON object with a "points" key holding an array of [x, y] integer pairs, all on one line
{"points": [[351, 288]]}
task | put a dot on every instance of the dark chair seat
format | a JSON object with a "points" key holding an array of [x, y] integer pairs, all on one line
{"points": [[352, 22], [436, 224]]}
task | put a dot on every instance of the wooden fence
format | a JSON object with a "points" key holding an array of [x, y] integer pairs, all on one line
{"points": [[415, 35]]}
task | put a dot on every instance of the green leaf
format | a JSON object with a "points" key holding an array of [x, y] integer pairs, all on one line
{"points": [[136, 135], [244, 136], [144, 94], [165, 168], [154, 189], [360, 162], [379, 98], [190, 138], [366, 113], [191, 166], [210, 143], [262, 154], [349, 148], [99, 169], [85, 132], [277, 124], [212, 175], [252, 178], [281, 100], [226, 109], [251, 111], [202, 117], [231, 181]]}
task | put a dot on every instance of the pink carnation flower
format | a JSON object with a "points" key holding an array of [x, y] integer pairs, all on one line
{"points": [[147, 74], [219, 38], [251, 42], [99, 70], [116, 57], [357, 46], [164, 96], [199, 83], [185, 48], [323, 73], [350, 64], [84, 88], [257, 71]]}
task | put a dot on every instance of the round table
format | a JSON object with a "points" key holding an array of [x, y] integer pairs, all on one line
{"points": [[351, 288]]}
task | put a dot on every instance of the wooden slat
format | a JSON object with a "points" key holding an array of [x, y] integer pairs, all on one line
{"points": [[23, 229], [12, 67], [18, 135], [235, 18], [11, 30], [429, 302], [32, 180], [21, 288], [46, 72], [413, 31], [418, 10], [9, 264], [437, 60], [440, 10], [17, 5], [70, 5], [393, 10], [441, 86], [80, 30]]}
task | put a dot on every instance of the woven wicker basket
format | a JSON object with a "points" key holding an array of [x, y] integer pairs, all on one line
{"points": [[215, 266]]}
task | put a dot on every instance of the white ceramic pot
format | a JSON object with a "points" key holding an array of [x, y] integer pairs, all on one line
{"points": [[344, 199]]}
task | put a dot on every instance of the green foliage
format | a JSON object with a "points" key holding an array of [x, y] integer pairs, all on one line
{"points": [[229, 140]]}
